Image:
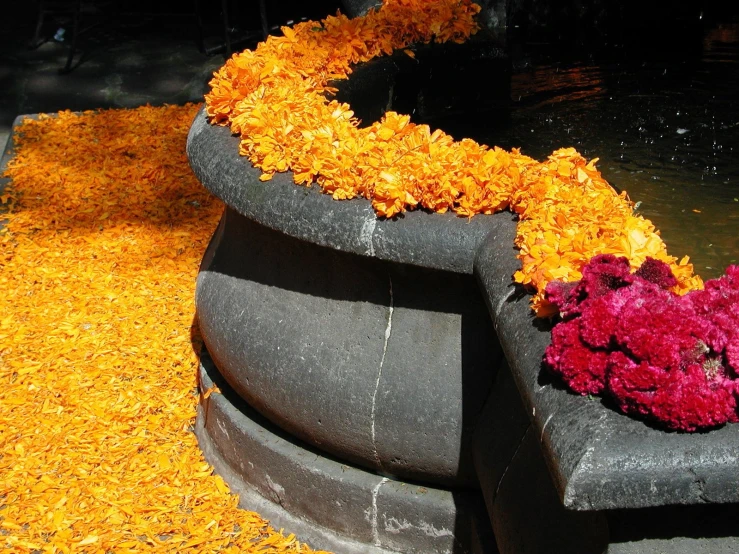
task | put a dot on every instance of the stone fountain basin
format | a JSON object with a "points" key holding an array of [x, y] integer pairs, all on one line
{"points": [[369, 340], [365, 338], [551, 464]]}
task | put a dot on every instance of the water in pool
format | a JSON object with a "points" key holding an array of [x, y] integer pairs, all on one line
{"points": [[665, 126]]}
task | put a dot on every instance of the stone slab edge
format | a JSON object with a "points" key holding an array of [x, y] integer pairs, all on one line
{"points": [[250, 498], [355, 8], [436, 241], [280, 479], [279, 518], [599, 458], [7, 154]]}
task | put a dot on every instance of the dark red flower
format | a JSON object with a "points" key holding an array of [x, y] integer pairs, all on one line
{"points": [[657, 272], [664, 357], [582, 368]]}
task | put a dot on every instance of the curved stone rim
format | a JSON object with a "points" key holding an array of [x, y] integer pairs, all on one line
{"points": [[416, 237], [436, 241]]}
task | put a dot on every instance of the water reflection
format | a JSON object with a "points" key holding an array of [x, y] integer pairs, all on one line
{"points": [[666, 129]]}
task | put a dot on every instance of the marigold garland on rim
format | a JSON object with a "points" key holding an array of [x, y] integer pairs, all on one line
{"points": [[275, 99]]}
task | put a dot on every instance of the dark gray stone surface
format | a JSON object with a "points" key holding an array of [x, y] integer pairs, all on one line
{"points": [[384, 365], [431, 86], [528, 517], [524, 507], [353, 8], [599, 458], [500, 430], [366, 338], [331, 504], [5, 156], [676, 545], [568, 468], [697, 529], [513, 453]]}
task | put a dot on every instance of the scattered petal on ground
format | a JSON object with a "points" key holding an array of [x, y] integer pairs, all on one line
{"points": [[97, 344]]}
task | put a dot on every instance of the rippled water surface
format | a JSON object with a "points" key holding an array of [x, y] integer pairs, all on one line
{"points": [[666, 130]]}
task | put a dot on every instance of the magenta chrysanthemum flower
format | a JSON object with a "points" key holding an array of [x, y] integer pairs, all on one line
{"points": [[664, 357]]}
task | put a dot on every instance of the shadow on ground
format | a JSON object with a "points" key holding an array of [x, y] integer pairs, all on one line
{"points": [[123, 61]]}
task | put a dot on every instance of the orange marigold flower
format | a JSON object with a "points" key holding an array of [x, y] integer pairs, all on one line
{"points": [[277, 99]]}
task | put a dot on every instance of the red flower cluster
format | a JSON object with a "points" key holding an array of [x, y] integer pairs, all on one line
{"points": [[669, 358]]}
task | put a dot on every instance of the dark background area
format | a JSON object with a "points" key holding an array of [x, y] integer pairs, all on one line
{"points": [[599, 26], [132, 52], [148, 51]]}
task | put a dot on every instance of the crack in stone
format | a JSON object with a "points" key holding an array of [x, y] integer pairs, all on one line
{"points": [[499, 306], [518, 447], [374, 523], [367, 232], [544, 427], [699, 486], [388, 330], [277, 490]]}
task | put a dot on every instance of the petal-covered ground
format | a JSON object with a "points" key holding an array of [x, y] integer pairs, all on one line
{"points": [[98, 260]]}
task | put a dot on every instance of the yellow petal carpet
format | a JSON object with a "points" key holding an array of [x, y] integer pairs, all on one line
{"points": [[98, 259]]}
